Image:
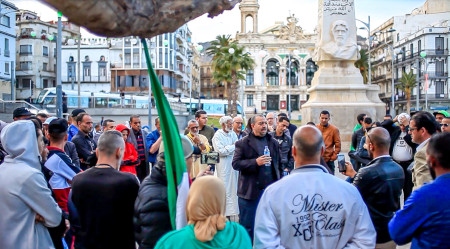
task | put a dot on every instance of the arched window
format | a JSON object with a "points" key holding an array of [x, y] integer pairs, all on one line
{"points": [[272, 72], [249, 24], [292, 71], [311, 68], [249, 79]]}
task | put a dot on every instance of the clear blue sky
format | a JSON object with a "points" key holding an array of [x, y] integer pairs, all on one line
{"points": [[205, 29]]}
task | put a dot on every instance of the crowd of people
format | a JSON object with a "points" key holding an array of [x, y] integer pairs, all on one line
{"points": [[271, 184]]}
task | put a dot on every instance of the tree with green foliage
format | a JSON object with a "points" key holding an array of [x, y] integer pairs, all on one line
{"points": [[363, 65], [407, 84], [229, 65]]}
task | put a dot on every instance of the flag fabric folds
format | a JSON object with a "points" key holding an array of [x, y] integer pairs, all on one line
{"points": [[177, 177]]}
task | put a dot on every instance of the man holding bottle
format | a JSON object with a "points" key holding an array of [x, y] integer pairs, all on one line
{"points": [[256, 170]]}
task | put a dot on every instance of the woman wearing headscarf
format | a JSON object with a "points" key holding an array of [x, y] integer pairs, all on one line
{"points": [[208, 227], [130, 157]]}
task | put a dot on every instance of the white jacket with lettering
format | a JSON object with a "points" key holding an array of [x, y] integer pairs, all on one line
{"points": [[313, 209], [24, 192]]}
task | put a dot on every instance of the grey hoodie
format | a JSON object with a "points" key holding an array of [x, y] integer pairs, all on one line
{"points": [[24, 192]]}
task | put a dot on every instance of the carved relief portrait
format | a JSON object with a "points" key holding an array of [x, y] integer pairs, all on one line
{"points": [[340, 46]]}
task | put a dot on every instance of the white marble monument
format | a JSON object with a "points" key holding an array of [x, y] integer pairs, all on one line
{"points": [[338, 85]]}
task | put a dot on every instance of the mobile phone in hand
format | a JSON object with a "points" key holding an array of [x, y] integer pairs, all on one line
{"points": [[341, 162]]}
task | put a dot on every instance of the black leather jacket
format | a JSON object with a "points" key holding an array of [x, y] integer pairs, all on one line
{"points": [[151, 210], [380, 184]]}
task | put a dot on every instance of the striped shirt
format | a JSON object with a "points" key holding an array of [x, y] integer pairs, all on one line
{"points": [[140, 143]]}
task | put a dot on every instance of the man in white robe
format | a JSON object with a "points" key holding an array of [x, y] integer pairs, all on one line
{"points": [[223, 142]]}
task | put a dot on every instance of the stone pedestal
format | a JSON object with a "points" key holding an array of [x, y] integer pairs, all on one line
{"points": [[338, 88], [338, 85]]}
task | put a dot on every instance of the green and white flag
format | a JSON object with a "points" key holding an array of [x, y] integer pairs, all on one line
{"points": [[177, 175]]}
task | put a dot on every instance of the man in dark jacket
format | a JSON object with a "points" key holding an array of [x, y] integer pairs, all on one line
{"points": [[292, 127], [138, 137], [104, 198], [83, 142], [254, 175], [380, 184], [151, 208], [402, 151], [285, 144], [356, 139]]}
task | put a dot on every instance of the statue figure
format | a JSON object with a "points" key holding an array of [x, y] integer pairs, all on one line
{"points": [[340, 47], [291, 31]]}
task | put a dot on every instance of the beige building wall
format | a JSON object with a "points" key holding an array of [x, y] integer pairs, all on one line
{"points": [[267, 87]]}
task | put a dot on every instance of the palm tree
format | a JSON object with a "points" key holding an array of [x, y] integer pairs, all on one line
{"points": [[407, 84], [363, 65], [229, 64]]}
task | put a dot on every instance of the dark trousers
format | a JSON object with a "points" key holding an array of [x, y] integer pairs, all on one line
{"points": [[408, 185], [247, 213], [142, 170], [331, 166]]}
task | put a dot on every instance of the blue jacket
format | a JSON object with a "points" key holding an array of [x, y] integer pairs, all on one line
{"points": [[151, 139], [425, 217], [71, 132]]}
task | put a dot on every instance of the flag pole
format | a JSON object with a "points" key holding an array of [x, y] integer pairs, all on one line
{"points": [[173, 152]]}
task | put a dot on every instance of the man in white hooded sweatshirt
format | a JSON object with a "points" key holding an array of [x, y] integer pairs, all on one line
{"points": [[27, 207]]}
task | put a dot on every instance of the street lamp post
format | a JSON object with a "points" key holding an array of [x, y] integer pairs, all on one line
{"points": [[367, 24], [262, 54], [393, 55], [79, 69], [418, 85], [289, 88], [423, 56], [199, 49], [58, 67], [392, 81], [190, 81], [289, 82]]}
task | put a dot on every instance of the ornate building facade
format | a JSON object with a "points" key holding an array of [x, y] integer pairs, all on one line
{"points": [[283, 63]]}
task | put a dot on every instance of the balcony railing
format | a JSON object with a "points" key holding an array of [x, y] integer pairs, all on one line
{"points": [[435, 74], [380, 77], [25, 52]]}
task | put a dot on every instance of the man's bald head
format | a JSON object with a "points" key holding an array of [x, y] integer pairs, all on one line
{"points": [[380, 138], [308, 143]]}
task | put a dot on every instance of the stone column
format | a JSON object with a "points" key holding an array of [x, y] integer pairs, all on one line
{"points": [[338, 85]]}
